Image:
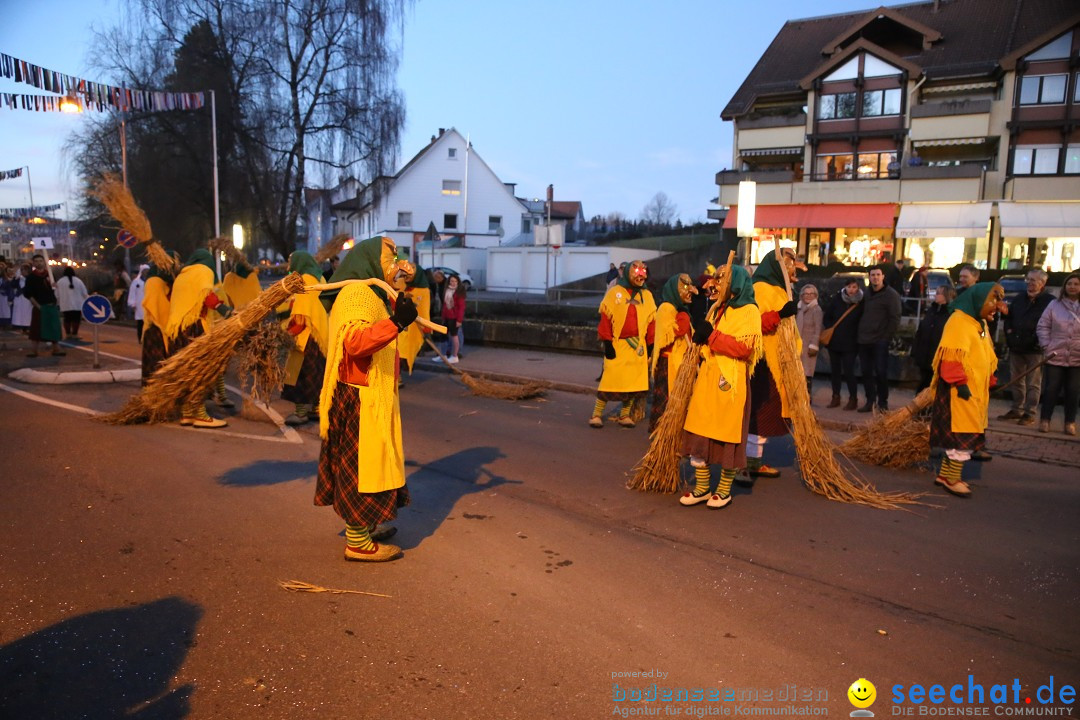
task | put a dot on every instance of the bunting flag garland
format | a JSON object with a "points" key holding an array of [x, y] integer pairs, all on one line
{"points": [[30, 211], [10, 174], [92, 95]]}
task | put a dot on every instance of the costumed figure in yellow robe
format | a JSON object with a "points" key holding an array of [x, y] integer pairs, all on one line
{"points": [[308, 324], [964, 369], [192, 300], [155, 305], [673, 332], [769, 408], [238, 288], [627, 326], [718, 417], [362, 463], [410, 341]]}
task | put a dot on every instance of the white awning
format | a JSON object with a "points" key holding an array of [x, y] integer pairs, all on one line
{"points": [[1023, 219], [949, 141], [943, 220], [772, 151]]}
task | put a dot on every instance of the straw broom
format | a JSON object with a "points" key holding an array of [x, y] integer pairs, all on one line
{"points": [[190, 373], [331, 248], [658, 469], [224, 245], [820, 468], [117, 198], [492, 388]]}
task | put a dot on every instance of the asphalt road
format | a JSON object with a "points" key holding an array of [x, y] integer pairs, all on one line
{"points": [[140, 569]]}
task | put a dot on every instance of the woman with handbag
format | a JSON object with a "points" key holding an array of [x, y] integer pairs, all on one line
{"points": [[808, 321], [841, 323]]}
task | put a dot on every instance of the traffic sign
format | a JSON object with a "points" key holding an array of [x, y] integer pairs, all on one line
{"points": [[126, 239], [96, 309]]}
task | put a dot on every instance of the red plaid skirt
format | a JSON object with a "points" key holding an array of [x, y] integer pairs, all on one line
{"points": [[766, 419], [153, 350], [338, 472], [941, 434], [308, 385]]}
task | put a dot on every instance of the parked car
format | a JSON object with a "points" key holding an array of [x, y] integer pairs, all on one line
{"points": [[1013, 285], [464, 278], [830, 286], [936, 279]]}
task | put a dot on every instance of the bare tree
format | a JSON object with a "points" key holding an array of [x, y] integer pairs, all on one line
{"points": [[660, 211]]}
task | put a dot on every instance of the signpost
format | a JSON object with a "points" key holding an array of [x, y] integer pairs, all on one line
{"points": [[126, 239], [96, 310]]}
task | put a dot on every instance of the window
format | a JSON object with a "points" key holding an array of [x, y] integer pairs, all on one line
{"points": [[526, 225], [834, 167], [1057, 49], [451, 153], [881, 102], [449, 222], [1035, 160], [404, 219], [1072, 159], [1076, 88], [837, 106], [494, 223], [1043, 89], [873, 166], [451, 187]]}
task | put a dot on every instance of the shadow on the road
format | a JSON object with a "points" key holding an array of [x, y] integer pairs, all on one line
{"points": [[107, 664], [269, 472], [437, 486]]}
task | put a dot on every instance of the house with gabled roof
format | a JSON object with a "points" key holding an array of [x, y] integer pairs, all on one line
{"points": [[945, 131]]}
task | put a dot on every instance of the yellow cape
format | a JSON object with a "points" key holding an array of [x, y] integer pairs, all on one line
{"points": [[316, 325], [771, 298], [666, 316], [381, 459], [629, 371], [966, 340], [412, 339], [241, 291], [156, 303], [715, 412], [189, 291]]}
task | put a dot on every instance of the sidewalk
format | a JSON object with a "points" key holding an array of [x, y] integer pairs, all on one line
{"points": [[578, 374]]}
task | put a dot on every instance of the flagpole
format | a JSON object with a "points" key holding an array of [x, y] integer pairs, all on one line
{"points": [[217, 211]]}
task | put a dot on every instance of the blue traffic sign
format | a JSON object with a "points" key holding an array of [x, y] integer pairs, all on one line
{"points": [[96, 309], [126, 239]]}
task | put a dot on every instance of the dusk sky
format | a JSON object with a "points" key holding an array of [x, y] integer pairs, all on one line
{"points": [[610, 101]]}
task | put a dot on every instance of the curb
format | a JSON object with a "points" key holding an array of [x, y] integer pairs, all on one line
{"points": [[43, 377]]}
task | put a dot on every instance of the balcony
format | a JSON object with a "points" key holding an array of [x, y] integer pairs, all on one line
{"points": [[734, 177], [941, 172]]}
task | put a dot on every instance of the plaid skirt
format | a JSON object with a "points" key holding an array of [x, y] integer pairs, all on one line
{"points": [[185, 336], [726, 455], [941, 434], [659, 393], [308, 385], [766, 419], [338, 473], [611, 396], [153, 351]]}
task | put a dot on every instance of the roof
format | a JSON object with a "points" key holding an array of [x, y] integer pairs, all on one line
{"points": [[565, 209], [962, 38]]}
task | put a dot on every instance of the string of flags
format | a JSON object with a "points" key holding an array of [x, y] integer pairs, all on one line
{"points": [[92, 95], [10, 174], [30, 211]]}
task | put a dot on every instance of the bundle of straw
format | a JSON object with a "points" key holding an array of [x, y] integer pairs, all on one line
{"points": [[116, 197], [190, 373], [222, 244], [261, 360], [331, 248], [301, 586], [493, 388], [897, 439]]}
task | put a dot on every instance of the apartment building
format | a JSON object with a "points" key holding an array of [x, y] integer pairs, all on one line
{"points": [[942, 132]]}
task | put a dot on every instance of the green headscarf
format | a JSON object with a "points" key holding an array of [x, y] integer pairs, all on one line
{"points": [[303, 263], [420, 280], [742, 287], [624, 279], [202, 256], [769, 271], [972, 301], [363, 262], [670, 293]]}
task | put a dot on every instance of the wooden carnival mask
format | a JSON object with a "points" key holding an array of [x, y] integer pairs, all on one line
{"points": [[995, 299], [686, 288], [399, 273], [637, 273]]}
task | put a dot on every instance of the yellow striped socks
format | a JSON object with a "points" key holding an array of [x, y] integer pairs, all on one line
{"points": [[951, 470], [727, 476], [701, 480], [358, 537]]}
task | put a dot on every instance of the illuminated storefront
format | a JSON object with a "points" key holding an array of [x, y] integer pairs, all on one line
{"points": [[943, 235], [1045, 235]]}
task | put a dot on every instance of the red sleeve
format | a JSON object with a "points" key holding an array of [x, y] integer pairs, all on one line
{"points": [[211, 300], [604, 328], [682, 325], [770, 321], [650, 333], [296, 325], [722, 344], [952, 372], [366, 342]]}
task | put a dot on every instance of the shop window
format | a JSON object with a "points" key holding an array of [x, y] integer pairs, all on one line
{"points": [[1035, 160], [1043, 89], [768, 240], [881, 102], [1058, 254], [837, 106]]}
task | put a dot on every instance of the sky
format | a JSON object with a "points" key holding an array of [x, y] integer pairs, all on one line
{"points": [[610, 101]]}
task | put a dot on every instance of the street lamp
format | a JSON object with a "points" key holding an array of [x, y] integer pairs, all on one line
{"points": [[70, 104], [238, 236]]}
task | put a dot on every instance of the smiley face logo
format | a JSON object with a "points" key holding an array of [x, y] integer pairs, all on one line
{"points": [[862, 693]]}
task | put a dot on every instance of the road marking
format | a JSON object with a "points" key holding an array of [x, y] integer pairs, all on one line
{"points": [[47, 401]]}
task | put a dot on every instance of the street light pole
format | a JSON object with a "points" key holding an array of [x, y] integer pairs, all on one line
{"points": [[217, 210]]}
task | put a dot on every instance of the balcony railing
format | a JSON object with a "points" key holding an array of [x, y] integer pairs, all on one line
{"points": [[734, 177]]}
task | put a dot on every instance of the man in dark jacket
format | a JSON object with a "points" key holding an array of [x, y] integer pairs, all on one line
{"points": [[843, 345], [45, 318], [880, 319], [1024, 351]]}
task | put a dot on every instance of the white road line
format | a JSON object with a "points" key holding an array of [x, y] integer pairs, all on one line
{"points": [[47, 401]]}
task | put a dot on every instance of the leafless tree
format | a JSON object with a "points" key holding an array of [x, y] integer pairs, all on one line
{"points": [[659, 211]]}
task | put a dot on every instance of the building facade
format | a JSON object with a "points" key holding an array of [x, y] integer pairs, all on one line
{"points": [[942, 132]]}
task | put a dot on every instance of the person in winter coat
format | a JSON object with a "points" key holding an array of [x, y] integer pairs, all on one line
{"points": [[71, 294], [453, 315], [1025, 355], [928, 336], [878, 325], [842, 315], [808, 321], [1059, 337]]}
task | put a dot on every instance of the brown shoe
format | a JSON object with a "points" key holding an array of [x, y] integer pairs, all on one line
{"points": [[1011, 415], [379, 553], [958, 488], [1027, 419], [852, 403], [835, 402]]}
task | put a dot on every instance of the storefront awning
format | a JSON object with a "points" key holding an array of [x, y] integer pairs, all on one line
{"points": [[772, 151], [864, 215], [947, 142], [943, 220], [1021, 219]]}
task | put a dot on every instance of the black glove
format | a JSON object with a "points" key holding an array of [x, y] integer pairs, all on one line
{"points": [[404, 313], [609, 350], [963, 392], [702, 333], [224, 310], [789, 309]]}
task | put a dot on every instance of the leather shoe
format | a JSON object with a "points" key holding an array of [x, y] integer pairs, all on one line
{"points": [[958, 488], [379, 553], [1027, 419], [835, 402], [1011, 415], [763, 470], [852, 403], [868, 407]]}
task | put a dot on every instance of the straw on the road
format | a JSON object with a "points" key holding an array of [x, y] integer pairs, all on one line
{"points": [[301, 586], [190, 373]]}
